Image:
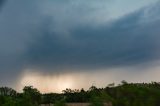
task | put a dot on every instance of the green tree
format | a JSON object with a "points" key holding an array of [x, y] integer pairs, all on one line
{"points": [[8, 101], [32, 95]]}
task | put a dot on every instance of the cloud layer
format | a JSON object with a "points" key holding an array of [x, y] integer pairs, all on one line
{"points": [[76, 35], [129, 40]]}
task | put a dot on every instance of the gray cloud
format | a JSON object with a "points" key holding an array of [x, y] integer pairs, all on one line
{"points": [[1, 2], [128, 41], [63, 35]]}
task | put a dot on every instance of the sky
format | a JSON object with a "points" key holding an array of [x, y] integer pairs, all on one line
{"points": [[58, 44]]}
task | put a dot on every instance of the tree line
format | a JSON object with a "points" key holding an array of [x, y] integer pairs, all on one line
{"points": [[124, 94]]}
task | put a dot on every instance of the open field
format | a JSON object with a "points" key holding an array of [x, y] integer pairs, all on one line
{"points": [[77, 104]]}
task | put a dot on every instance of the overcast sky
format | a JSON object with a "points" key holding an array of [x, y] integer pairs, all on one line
{"points": [[54, 44]]}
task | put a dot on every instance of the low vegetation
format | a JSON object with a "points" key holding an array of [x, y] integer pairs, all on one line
{"points": [[125, 94]]}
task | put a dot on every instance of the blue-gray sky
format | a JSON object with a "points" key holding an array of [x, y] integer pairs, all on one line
{"points": [[56, 40]]}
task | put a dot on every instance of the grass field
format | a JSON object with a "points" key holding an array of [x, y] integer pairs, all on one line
{"points": [[77, 104]]}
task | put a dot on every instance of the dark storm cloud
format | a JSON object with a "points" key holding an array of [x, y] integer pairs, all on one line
{"points": [[58, 34], [130, 40], [1, 2]]}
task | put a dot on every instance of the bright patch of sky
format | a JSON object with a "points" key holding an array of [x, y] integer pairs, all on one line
{"points": [[105, 9]]}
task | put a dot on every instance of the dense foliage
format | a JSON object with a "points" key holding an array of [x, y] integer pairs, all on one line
{"points": [[125, 94]]}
